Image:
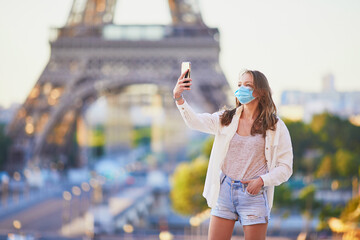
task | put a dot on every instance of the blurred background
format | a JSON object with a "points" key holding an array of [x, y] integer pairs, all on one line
{"points": [[92, 145]]}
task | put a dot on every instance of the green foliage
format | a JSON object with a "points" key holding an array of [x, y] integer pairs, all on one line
{"points": [[335, 133], [282, 196], [72, 151], [302, 138], [311, 161], [141, 136], [208, 146], [308, 193], [307, 202], [337, 141], [97, 136], [327, 127], [188, 183], [326, 212], [327, 168], [341, 164], [347, 163], [5, 143], [351, 211]]}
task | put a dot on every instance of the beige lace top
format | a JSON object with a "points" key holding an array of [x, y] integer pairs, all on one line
{"points": [[245, 158]]}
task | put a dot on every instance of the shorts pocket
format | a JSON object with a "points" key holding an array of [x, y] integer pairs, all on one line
{"points": [[254, 195], [222, 178]]}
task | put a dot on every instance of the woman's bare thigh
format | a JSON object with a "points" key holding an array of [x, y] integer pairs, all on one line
{"points": [[220, 228], [255, 232]]}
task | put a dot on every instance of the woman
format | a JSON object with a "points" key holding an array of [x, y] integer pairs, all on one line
{"points": [[251, 154]]}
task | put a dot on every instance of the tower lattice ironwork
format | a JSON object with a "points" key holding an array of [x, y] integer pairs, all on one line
{"points": [[91, 55]]}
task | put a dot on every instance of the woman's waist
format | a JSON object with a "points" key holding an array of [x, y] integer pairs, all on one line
{"points": [[244, 173], [233, 180]]}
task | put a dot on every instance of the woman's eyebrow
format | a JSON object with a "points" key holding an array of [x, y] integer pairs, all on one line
{"points": [[247, 82]]}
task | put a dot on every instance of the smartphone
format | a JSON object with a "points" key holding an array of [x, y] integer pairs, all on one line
{"points": [[184, 67]]}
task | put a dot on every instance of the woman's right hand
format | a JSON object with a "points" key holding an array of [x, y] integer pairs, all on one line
{"points": [[180, 86]]}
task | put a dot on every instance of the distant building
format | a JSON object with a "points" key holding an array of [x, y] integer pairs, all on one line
{"points": [[298, 105], [6, 114]]}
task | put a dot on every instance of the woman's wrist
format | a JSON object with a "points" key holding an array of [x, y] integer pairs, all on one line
{"points": [[261, 181], [180, 102], [178, 98]]}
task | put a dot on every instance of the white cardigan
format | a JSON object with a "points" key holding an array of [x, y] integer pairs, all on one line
{"points": [[278, 150]]}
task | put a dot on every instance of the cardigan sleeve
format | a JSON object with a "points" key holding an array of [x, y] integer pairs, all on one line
{"points": [[283, 154], [203, 122]]}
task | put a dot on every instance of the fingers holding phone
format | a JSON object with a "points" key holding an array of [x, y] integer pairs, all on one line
{"points": [[185, 73], [184, 82], [182, 85]]}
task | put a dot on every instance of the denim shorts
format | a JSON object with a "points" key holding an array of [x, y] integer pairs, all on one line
{"points": [[235, 203]]}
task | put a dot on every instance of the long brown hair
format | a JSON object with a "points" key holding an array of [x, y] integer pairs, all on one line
{"points": [[267, 118]]}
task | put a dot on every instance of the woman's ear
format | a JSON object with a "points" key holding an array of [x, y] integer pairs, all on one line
{"points": [[255, 94], [237, 102]]}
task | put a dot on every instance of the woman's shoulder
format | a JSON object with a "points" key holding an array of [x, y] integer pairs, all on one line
{"points": [[280, 123], [282, 127], [279, 120], [279, 126]]}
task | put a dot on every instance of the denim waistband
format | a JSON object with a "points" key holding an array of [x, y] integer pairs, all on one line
{"points": [[237, 182]]}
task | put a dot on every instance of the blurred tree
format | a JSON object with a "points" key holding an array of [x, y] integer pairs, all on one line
{"points": [[349, 220], [5, 143], [327, 168], [97, 141], [347, 163], [335, 133], [351, 212], [208, 146], [72, 152], [306, 200], [307, 203], [327, 211], [302, 139], [283, 196], [328, 129], [326, 134], [97, 136], [311, 161], [141, 136], [353, 138], [188, 183]]}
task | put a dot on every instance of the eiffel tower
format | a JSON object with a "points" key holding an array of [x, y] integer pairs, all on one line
{"points": [[91, 56]]}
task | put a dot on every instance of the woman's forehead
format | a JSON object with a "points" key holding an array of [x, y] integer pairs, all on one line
{"points": [[246, 77]]}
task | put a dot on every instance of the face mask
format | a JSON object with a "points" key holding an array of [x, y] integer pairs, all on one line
{"points": [[244, 94]]}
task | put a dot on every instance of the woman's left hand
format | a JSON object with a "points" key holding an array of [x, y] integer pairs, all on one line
{"points": [[254, 185]]}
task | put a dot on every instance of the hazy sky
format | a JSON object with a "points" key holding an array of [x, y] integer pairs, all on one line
{"points": [[294, 43]]}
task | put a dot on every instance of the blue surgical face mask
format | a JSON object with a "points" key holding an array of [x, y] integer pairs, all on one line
{"points": [[244, 94]]}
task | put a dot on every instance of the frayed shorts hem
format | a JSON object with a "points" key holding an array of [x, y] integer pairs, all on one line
{"points": [[244, 222], [223, 215], [260, 220]]}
